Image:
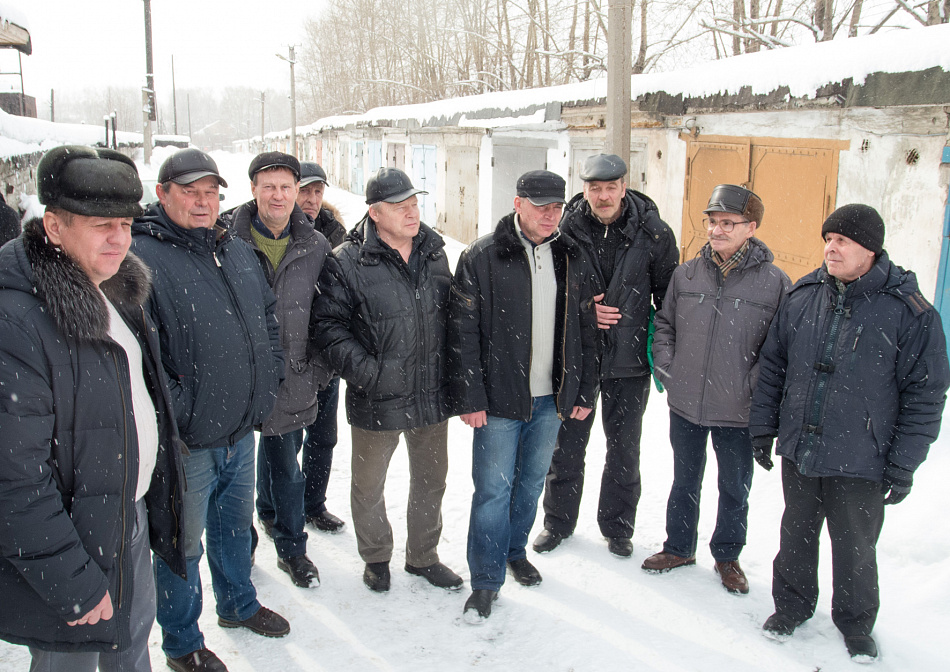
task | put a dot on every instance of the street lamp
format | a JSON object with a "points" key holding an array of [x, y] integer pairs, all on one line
{"points": [[293, 100]]}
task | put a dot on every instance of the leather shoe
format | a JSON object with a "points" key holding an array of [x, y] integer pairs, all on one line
{"points": [[268, 526], [779, 626], [201, 660], [302, 571], [478, 606], [862, 648], [547, 541], [664, 562], [376, 576], [620, 547], [438, 575], [264, 622], [325, 522], [732, 577], [524, 572]]}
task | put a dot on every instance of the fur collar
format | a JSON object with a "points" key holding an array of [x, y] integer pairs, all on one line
{"points": [[71, 297]]}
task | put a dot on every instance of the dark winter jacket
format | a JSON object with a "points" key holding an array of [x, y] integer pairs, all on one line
{"points": [[490, 327], [851, 381], [220, 338], [329, 223], [383, 332], [644, 265], [69, 456], [295, 284], [709, 333]]}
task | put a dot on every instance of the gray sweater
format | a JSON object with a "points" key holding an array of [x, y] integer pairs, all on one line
{"points": [[709, 333]]}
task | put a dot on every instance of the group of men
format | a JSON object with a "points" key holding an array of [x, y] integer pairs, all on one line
{"points": [[140, 350]]}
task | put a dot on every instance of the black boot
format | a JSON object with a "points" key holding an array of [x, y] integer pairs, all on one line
{"points": [[478, 606], [376, 576]]}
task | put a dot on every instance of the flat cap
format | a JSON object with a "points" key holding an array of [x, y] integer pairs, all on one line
{"points": [[268, 160], [311, 172], [89, 181], [541, 187], [390, 185], [603, 168], [187, 166]]}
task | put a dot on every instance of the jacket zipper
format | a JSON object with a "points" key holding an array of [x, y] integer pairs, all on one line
{"points": [[822, 383], [567, 297], [125, 486]]}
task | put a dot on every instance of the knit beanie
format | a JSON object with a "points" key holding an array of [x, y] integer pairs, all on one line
{"points": [[860, 223]]}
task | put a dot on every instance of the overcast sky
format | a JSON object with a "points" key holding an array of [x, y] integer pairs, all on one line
{"points": [[98, 43]]}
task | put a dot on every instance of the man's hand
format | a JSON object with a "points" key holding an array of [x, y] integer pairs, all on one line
{"points": [[101, 612], [897, 484], [607, 316], [476, 420], [762, 451], [580, 413]]}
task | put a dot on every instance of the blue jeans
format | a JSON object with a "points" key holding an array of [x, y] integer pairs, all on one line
{"points": [[280, 486], [218, 500], [318, 449], [733, 448], [509, 461]]}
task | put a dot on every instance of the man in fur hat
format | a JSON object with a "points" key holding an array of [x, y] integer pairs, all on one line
{"points": [[89, 469]]}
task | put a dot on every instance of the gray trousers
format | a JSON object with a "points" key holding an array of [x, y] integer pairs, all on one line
{"points": [[428, 466], [142, 615]]}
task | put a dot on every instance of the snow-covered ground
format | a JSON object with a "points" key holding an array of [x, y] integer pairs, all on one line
{"points": [[593, 612]]}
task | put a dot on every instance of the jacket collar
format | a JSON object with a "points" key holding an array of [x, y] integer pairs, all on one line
{"points": [[364, 234], [75, 305], [301, 228], [508, 241]]}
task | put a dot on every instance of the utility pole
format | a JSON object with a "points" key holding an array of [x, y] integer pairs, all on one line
{"points": [[52, 105], [188, 100], [262, 121], [148, 93], [619, 48], [293, 100], [174, 97]]}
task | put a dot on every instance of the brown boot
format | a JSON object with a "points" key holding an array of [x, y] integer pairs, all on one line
{"points": [[664, 562], [732, 576]]}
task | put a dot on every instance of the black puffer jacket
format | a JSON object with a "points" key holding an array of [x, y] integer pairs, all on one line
{"points": [[295, 283], [851, 381], [490, 327], [383, 332], [220, 338], [69, 458], [643, 268]]}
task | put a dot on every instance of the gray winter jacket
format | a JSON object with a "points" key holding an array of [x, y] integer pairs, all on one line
{"points": [[709, 332], [294, 281]]}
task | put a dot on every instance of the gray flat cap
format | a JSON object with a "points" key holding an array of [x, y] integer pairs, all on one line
{"points": [[603, 168]]}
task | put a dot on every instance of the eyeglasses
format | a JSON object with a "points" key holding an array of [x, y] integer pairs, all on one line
{"points": [[727, 225]]}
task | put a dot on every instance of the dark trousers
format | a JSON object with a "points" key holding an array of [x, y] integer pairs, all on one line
{"points": [[622, 403], [854, 509], [280, 488], [318, 449], [733, 448]]}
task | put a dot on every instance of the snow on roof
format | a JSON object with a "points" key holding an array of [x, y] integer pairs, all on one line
{"points": [[24, 135], [803, 69], [13, 14]]}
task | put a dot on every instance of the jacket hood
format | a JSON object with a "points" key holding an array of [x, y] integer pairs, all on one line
{"points": [[330, 210], [759, 253], [364, 235], [156, 223], [505, 236], [639, 209], [301, 227], [33, 265]]}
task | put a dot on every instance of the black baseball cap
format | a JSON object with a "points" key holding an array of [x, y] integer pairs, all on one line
{"points": [[89, 181], [311, 172], [187, 166], [603, 168], [390, 185], [274, 160], [541, 187]]}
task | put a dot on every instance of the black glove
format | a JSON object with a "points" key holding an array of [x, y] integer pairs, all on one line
{"points": [[762, 451], [897, 483]]}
